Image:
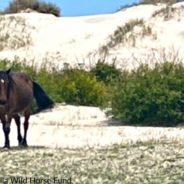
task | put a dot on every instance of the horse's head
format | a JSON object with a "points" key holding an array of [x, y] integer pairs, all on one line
{"points": [[5, 83]]}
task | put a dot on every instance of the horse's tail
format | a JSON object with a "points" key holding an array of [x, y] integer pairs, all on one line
{"points": [[42, 99]]}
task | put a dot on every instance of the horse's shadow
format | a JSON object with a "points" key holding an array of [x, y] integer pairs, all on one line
{"points": [[19, 148]]}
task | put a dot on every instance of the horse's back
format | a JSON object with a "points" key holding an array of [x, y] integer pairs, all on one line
{"points": [[21, 78]]}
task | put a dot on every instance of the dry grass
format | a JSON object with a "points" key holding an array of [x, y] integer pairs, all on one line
{"points": [[128, 35], [120, 34], [138, 163], [169, 12], [160, 1], [14, 32], [161, 55]]}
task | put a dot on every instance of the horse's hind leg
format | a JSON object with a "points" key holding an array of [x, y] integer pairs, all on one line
{"points": [[17, 121], [26, 125]]}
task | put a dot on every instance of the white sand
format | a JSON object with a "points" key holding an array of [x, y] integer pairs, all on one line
{"points": [[72, 39], [76, 127]]}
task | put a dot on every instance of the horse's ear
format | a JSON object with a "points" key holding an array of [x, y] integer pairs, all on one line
{"points": [[8, 71]]}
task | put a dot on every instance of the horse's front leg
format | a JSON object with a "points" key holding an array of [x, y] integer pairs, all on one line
{"points": [[6, 120]]}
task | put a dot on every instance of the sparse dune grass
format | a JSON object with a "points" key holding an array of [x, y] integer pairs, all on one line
{"points": [[14, 32], [127, 34], [160, 1], [169, 12]]}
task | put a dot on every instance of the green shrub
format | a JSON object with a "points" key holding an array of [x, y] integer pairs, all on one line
{"points": [[106, 72], [16, 6], [151, 96], [81, 88], [49, 8]]}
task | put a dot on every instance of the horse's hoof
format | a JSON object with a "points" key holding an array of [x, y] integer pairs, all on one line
{"points": [[23, 144], [6, 147]]}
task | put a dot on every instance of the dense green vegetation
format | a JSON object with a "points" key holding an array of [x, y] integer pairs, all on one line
{"points": [[151, 96], [81, 87], [107, 73], [145, 96]]}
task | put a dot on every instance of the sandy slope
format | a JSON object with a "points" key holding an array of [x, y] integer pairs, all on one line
{"points": [[72, 39]]}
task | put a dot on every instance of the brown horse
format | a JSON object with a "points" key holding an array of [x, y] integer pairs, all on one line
{"points": [[17, 92]]}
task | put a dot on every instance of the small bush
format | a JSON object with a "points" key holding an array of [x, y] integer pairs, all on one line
{"points": [[109, 75], [81, 88], [18, 5], [49, 8], [106, 73], [151, 96]]}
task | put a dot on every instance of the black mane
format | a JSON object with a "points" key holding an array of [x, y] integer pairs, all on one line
{"points": [[6, 76]]}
